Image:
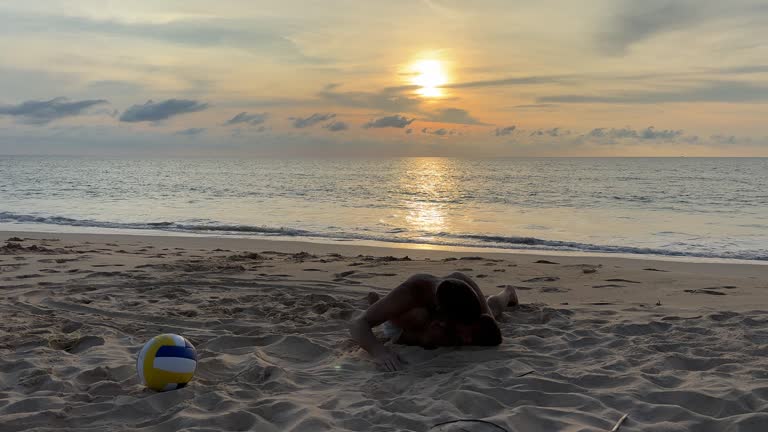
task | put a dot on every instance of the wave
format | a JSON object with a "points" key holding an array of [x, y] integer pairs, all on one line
{"points": [[168, 226], [542, 244], [391, 236]]}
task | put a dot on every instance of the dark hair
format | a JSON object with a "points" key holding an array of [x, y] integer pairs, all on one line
{"points": [[457, 301], [486, 332]]}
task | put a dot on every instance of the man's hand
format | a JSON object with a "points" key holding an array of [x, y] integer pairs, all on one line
{"points": [[389, 360]]}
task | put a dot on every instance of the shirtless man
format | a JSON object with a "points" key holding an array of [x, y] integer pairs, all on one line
{"points": [[431, 311]]}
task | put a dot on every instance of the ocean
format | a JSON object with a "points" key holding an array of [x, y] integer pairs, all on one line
{"points": [[686, 207]]}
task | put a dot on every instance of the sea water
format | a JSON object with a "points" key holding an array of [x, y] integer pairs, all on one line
{"points": [[693, 207]]}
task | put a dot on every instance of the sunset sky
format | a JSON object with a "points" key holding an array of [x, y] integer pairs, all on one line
{"points": [[394, 78]]}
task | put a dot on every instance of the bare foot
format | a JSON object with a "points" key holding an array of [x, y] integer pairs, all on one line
{"points": [[513, 300], [373, 297]]}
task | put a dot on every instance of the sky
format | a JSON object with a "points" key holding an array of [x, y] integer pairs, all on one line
{"points": [[244, 78]]}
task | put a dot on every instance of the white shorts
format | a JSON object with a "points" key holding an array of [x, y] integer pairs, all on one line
{"points": [[391, 331]]}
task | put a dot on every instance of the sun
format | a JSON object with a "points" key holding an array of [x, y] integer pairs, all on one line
{"points": [[429, 75]]}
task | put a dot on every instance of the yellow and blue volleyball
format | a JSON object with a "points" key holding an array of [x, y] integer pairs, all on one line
{"points": [[167, 362]]}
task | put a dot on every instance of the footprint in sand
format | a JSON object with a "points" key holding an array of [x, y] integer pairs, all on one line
{"points": [[655, 270], [76, 345], [553, 290], [544, 262], [521, 288], [347, 281], [609, 286], [543, 279], [622, 280], [365, 275], [71, 326], [705, 291]]}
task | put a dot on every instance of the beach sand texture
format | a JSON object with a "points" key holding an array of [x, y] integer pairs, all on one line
{"points": [[678, 346]]}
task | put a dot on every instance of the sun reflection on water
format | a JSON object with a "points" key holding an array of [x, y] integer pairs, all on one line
{"points": [[428, 188]]}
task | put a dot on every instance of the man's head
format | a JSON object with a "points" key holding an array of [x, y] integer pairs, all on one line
{"points": [[457, 301], [483, 331]]}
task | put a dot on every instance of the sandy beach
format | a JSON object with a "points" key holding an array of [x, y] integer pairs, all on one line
{"points": [[677, 346]]}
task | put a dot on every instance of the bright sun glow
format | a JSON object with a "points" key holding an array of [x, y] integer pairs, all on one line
{"points": [[429, 76]]}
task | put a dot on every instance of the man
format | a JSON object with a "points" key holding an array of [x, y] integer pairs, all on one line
{"points": [[430, 311]]}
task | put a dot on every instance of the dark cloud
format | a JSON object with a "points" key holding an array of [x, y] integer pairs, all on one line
{"points": [[156, 111], [244, 34], [713, 91], [515, 81], [536, 107], [454, 115], [649, 133], [336, 126], [727, 140], [636, 21], [388, 100], [244, 117], [553, 132], [505, 130], [395, 121], [743, 70], [191, 131], [41, 112], [312, 120], [439, 132]]}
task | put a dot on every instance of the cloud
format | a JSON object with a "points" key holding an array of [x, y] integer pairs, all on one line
{"points": [[388, 100], [42, 112], [537, 107], [156, 111], [637, 21], [515, 81], [553, 132], [649, 133], [395, 121], [312, 120], [262, 37], [454, 115], [336, 126], [713, 91], [505, 130], [244, 117], [438, 132], [191, 131]]}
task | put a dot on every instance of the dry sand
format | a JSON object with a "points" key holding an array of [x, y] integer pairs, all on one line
{"points": [[678, 346]]}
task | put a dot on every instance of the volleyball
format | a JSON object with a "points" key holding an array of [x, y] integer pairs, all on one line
{"points": [[166, 362]]}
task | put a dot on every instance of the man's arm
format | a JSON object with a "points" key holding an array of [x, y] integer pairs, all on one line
{"points": [[410, 294]]}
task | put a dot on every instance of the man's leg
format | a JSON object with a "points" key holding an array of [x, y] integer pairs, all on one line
{"points": [[497, 303]]}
